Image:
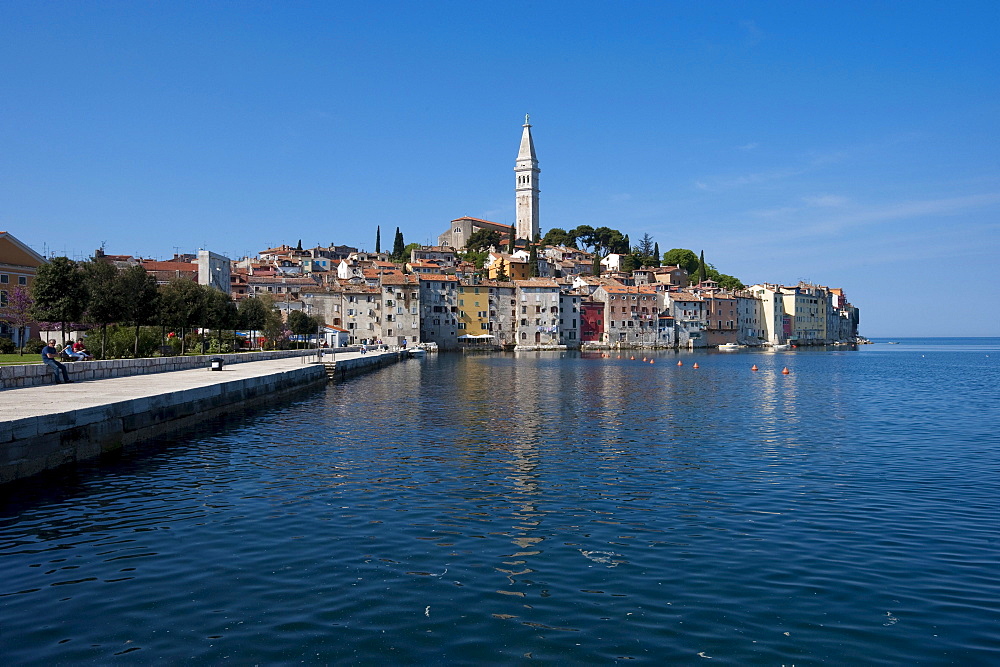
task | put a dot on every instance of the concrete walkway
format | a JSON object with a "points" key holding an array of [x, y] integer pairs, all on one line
{"points": [[53, 399], [44, 427]]}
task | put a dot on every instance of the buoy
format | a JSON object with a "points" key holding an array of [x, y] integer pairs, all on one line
{"points": [[785, 371], [644, 358], [754, 368], [680, 363], [632, 358], [650, 361], [695, 365]]}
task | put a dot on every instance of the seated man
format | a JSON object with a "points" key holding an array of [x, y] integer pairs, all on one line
{"points": [[80, 349], [49, 354]]}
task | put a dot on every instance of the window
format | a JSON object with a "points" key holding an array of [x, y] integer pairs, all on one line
{"points": [[22, 280], [4, 278]]}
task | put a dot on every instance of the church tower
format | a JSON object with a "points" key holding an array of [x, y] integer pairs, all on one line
{"points": [[526, 188]]}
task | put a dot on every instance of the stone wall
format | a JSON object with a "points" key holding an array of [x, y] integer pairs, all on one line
{"points": [[31, 445]]}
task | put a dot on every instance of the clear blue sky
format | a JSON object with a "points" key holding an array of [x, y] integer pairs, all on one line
{"points": [[849, 144]]}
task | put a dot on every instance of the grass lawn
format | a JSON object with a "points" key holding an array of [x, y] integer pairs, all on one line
{"points": [[9, 359]]}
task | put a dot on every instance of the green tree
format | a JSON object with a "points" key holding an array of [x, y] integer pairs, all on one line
{"points": [[596, 269], [252, 315], [140, 299], [533, 262], [378, 239], [104, 296], [584, 235], [512, 244], [646, 245], [702, 269], [300, 324], [483, 239], [221, 313], [182, 305], [656, 254], [399, 247], [686, 259], [59, 293], [559, 237]]}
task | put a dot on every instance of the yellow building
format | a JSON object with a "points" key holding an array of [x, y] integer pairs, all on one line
{"points": [[473, 310], [18, 264], [513, 267]]}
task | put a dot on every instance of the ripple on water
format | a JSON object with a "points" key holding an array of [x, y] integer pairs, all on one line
{"points": [[479, 516]]}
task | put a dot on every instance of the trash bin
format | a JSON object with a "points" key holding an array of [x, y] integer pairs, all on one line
{"points": [[215, 364]]}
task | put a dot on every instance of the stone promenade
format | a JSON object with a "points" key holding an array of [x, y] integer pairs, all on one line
{"points": [[47, 426]]}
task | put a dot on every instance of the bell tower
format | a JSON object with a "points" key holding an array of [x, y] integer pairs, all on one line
{"points": [[526, 186]]}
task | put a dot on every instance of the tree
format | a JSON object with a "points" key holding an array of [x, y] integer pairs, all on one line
{"points": [[533, 262], [702, 269], [557, 237], [59, 292], [298, 247], [182, 305], [378, 239], [300, 324], [18, 313], [656, 254], [274, 328], [252, 314], [398, 247], [584, 235], [104, 297], [596, 270], [686, 259], [631, 262], [512, 245], [140, 299], [220, 311], [482, 239], [646, 246]]}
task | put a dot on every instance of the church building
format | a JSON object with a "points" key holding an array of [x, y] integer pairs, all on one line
{"points": [[526, 200]]}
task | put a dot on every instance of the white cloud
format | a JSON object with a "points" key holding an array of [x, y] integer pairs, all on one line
{"points": [[748, 147]]}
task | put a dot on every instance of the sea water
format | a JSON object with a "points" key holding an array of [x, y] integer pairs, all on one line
{"points": [[563, 507]]}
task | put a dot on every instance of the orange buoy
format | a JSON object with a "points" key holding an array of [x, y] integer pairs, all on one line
{"points": [[680, 363], [632, 358], [695, 365], [651, 361], [754, 368], [785, 371], [644, 358]]}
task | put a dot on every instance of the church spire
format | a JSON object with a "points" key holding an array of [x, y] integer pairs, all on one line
{"points": [[526, 185]]}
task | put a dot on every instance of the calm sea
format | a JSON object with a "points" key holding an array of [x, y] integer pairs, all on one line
{"points": [[559, 507]]}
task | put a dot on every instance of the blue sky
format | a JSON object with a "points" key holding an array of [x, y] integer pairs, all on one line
{"points": [[849, 144]]}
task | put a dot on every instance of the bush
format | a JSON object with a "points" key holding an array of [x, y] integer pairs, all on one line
{"points": [[7, 346], [34, 346], [215, 348], [121, 341]]}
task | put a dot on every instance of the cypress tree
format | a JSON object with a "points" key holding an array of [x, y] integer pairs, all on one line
{"points": [[533, 262], [511, 247], [398, 247], [597, 264], [378, 239], [702, 269], [656, 254]]}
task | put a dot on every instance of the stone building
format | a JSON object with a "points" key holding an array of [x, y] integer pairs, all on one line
{"points": [[439, 310]]}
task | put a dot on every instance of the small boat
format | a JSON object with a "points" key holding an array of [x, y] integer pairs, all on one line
{"points": [[729, 346], [417, 352], [781, 346]]}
